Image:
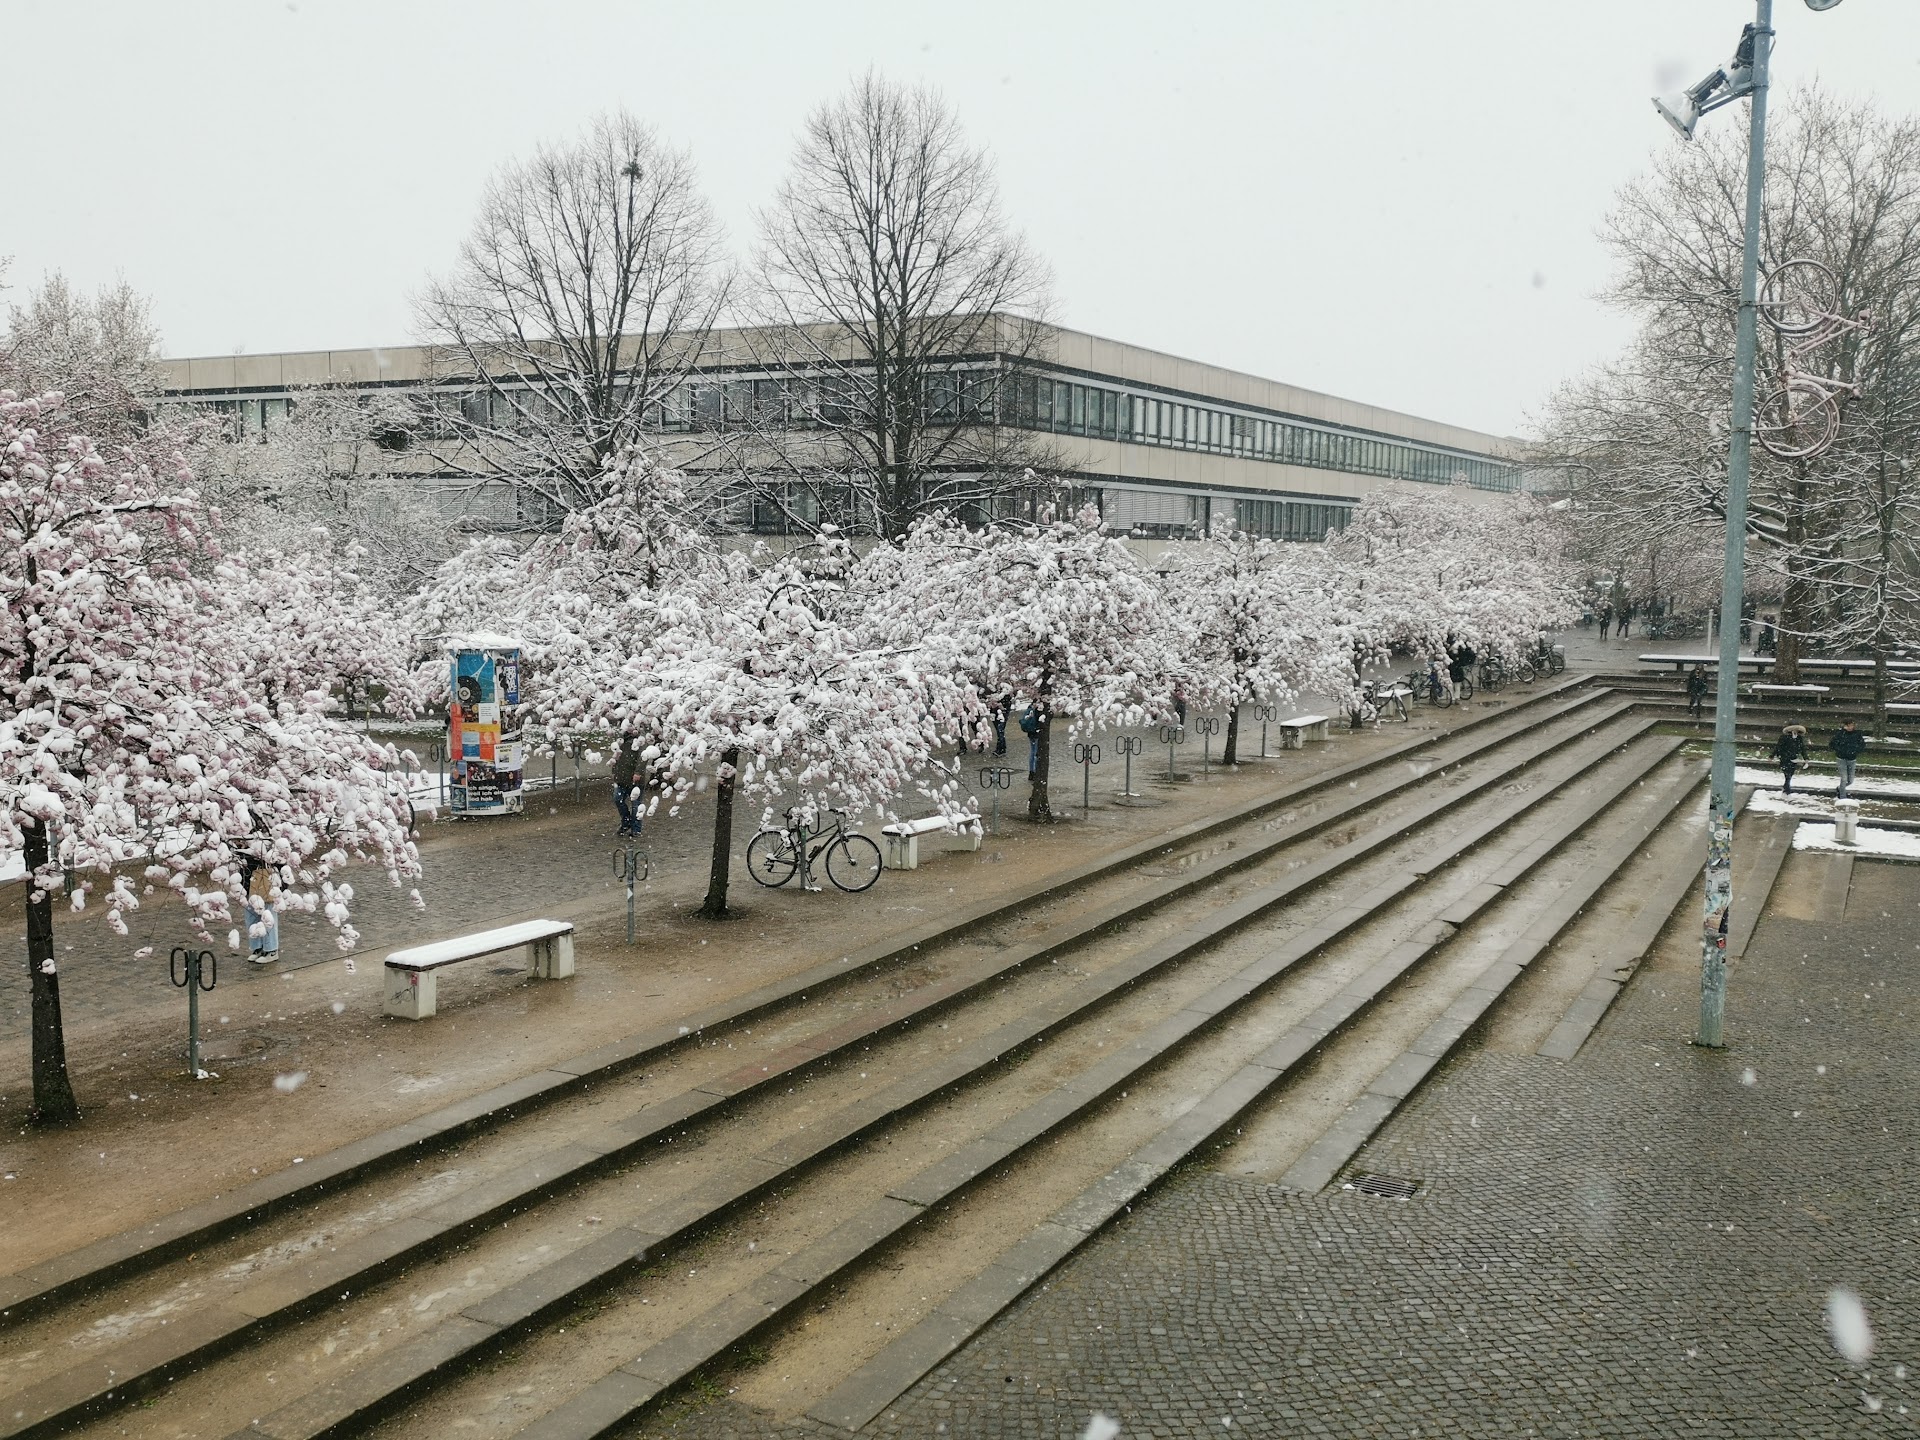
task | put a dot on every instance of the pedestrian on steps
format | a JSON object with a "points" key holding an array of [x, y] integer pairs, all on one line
{"points": [[1847, 744], [1791, 751], [1696, 691]]}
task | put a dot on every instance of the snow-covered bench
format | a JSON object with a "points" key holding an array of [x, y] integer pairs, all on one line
{"points": [[412, 975], [1296, 732], [1815, 693], [1712, 662], [901, 841], [1902, 707]]}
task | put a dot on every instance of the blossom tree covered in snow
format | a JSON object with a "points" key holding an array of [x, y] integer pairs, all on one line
{"points": [[1058, 613], [782, 689], [130, 745], [1256, 624]]}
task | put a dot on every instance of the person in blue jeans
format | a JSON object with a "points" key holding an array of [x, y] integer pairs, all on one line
{"points": [[1847, 744], [626, 770], [1030, 726]]}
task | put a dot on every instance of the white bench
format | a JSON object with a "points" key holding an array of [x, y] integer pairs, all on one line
{"points": [[412, 979], [901, 850], [1712, 662], [1815, 693], [1296, 732], [1902, 707]]}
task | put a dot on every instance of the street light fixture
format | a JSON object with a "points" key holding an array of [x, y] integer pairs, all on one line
{"points": [[1745, 76]]}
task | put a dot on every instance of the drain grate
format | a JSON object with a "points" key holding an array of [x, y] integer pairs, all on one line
{"points": [[1384, 1187]]}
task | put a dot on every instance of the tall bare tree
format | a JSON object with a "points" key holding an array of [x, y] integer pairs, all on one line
{"points": [[1843, 188], [899, 305], [582, 296], [101, 350]]}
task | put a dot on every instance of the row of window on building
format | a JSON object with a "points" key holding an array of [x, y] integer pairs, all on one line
{"points": [[1021, 398]]}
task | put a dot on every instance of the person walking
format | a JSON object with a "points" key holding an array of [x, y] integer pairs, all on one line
{"points": [[1847, 744], [263, 926], [1791, 751], [1696, 691], [1606, 619], [626, 771], [1626, 619]]}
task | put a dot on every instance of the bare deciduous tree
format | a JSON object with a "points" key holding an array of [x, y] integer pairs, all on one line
{"points": [[583, 294], [1843, 189], [102, 351], [898, 306]]}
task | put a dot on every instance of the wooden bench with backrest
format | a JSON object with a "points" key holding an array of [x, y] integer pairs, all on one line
{"points": [[412, 975], [1760, 663], [1296, 732], [900, 849], [1815, 693]]}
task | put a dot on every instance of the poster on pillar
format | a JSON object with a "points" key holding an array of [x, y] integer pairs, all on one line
{"points": [[483, 726]]}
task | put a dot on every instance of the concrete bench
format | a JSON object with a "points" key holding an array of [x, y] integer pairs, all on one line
{"points": [[1845, 668], [1902, 707], [900, 849], [1296, 732], [1760, 663], [1815, 693], [412, 975]]}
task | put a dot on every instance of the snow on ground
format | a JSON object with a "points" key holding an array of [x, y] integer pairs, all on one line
{"points": [[1887, 844], [1863, 786]]}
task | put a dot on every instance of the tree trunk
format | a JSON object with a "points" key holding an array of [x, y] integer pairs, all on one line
{"points": [[1037, 806], [715, 905], [53, 1102], [1879, 688], [1231, 755]]}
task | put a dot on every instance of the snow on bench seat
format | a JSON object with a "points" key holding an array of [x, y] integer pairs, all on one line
{"points": [[1295, 733], [412, 978], [901, 848], [1814, 692], [1680, 662]]}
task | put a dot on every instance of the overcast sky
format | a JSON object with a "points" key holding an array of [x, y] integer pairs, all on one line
{"points": [[1392, 200]]}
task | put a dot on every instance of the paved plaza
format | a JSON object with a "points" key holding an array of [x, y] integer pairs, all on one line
{"points": [[1637, 1242]]}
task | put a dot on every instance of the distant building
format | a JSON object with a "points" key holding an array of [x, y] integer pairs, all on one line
{"points": [[1163, 446]]}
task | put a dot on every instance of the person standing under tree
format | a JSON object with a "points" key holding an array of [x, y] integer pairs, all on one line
{"points": [[1606, 619], [1696, 691], [1847, 744], [626, 770], [263, 926]]}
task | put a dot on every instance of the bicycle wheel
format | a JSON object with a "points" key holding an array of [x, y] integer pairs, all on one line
{"points": [[1442, 694], [1523, 672], [1464, 688], [1798, 422], [1799, 297], [853, 863], [1557, 660], [771, 859]]}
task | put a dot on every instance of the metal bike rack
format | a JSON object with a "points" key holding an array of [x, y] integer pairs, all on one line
{"points": [[1129, 746], [631, 865], [1086, 756], [1208, 726], [1267, 714], [996, 778], [193, 971], [1172, 736]]}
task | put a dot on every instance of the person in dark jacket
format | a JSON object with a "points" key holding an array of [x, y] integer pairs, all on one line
{"points": [[1606, 619], [1791, 751], [626, 769], [1696, 690], [1846, 744]]}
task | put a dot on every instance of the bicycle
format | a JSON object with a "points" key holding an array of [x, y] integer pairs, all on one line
{"points": [[1377, 704], [1430, 685], [852, 861], [1800, 302], [1493, 674], [1548, 658]]}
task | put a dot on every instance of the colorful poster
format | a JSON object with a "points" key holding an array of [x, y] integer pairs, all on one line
{"points": [[483, 727]]}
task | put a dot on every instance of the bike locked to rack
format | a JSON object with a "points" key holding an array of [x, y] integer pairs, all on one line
{"points": [[633, 866], [1172, 736], [1208, 726], [193, 971], [1086, 756], [996, 778]]}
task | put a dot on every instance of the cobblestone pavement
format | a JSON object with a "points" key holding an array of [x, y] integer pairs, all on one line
{"points": [[1639, 1242]]}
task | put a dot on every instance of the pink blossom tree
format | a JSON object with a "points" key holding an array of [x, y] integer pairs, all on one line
{"points": [[128, 730]]}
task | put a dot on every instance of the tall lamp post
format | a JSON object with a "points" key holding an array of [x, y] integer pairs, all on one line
{"points": [[1746, 75]]}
